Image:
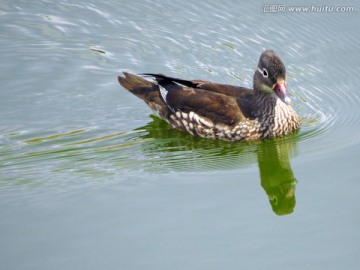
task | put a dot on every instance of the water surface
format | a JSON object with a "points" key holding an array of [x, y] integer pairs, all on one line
{"points": [[89, 179]]}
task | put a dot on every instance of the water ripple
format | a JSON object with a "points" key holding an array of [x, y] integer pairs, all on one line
{"points": [[63, 40], [331, 119]]}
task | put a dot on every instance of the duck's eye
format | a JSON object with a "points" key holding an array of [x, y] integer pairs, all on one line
{"points": [[265, 73]]}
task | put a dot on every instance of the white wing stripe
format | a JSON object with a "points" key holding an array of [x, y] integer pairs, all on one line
{"points": [[163, 93]]}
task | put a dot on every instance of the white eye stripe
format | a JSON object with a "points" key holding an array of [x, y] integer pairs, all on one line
{"points": [[264, 72]]}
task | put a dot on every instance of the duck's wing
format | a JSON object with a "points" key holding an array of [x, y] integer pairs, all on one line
{"points": [[226, 89], [217, 102]]}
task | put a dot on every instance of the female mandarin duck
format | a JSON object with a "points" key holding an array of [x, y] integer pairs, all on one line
{"points": [[222, 111]]}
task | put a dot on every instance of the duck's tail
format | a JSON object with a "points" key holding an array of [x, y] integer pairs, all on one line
{"points": [[146, 90]]}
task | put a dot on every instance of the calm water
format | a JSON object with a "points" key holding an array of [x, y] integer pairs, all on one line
{"points": [[88, 180]]}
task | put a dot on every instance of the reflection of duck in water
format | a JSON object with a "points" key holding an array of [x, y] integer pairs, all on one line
{"points": [[277, 178], [180, 152], [221, 111]]}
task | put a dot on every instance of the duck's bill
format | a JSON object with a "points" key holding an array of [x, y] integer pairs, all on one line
{"points": [[281, 91]]}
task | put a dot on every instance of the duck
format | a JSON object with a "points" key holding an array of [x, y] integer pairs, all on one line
{"points": [[221, 111]]}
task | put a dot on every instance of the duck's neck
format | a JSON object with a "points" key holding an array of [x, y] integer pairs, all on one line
{"points": [[275, 115], [264, 104]]}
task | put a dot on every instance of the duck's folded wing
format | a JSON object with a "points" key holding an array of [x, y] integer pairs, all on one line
{"points": [[226, 89], [217, 107]]}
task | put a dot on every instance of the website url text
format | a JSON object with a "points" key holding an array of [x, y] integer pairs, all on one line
{"points": [[272, 8]]}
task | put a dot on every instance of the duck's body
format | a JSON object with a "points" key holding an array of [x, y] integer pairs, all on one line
{"points": [[220, 111]]}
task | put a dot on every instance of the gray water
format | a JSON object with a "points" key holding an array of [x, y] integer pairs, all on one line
{"points": [[90, 180]]}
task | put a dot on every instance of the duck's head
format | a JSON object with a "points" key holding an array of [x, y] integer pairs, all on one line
{"points": [[270, 76]]}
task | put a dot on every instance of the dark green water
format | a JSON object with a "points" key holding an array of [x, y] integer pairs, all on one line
{"points": [[90, 180]]}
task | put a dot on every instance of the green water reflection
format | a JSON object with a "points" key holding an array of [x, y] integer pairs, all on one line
{"points": [[273, 158], [154, 148], [277, 177]]}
